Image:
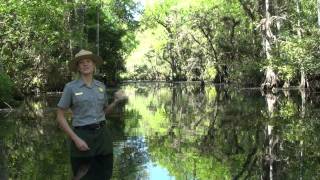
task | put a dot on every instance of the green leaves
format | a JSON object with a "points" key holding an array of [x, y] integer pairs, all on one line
{"points": [[38, 38], [193, 37], [6, 90]]}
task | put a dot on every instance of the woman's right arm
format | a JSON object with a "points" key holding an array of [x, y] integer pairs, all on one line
{"points": [[81, 144]]}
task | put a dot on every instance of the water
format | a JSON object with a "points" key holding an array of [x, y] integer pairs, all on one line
{"points": [[177, 131]]}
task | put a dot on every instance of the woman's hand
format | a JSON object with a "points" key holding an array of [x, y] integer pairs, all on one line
{"points": [[81, 144], [120, 96]]}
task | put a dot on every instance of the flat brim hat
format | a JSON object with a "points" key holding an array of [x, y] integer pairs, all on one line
{"points": [[84, 54]]}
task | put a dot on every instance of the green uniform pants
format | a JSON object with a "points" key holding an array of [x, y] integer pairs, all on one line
{"points": [[96, 163], [99, 142]]}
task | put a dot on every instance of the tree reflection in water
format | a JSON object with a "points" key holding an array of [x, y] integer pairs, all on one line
{"points": [[192, 131]]}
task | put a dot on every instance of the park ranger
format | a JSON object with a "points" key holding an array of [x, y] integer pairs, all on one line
{"points": [[86, 97]]}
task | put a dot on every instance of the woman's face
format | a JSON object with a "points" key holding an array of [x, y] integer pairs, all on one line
{"points": [[86, 66]]}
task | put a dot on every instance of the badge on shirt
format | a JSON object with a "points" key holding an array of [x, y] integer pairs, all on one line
{"points": [[78, 93], [100, 89]]}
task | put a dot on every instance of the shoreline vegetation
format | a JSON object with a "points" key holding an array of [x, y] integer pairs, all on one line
{"points": [[8, 108], [235, 43]]}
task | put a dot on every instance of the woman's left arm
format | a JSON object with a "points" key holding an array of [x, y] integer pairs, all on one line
{"points": [[119, 97], [111, 106]]}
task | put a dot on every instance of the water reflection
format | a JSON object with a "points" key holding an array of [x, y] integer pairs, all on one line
{"points": [[177, 131]]}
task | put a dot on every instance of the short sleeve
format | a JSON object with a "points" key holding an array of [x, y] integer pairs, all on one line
{"points": [[65, 100]]}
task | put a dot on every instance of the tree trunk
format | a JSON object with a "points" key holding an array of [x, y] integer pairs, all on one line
{"points": [[270, 76], [318, 5], [286, 84], [169, 48], [298, 12], [82, 15], [98, 29], [69, 29], [271, 79], [222, 74], [269, 83], [303, 80], [173, 64], [304, 84], [268, 32], [1, 67], [70, 34]]}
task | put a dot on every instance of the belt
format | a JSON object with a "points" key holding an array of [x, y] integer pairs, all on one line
{"points": [[94, 126]]}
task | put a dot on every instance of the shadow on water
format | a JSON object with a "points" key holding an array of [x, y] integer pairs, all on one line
{"points": [[176, 131]]}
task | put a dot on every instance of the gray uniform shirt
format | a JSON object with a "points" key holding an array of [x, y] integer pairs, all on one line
{"points": [[87, 103]]}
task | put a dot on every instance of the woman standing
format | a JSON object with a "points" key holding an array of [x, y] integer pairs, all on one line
{"points": [[86, 97]]}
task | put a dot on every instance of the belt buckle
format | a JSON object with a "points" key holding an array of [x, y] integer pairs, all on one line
{"points": [[98, 127]]}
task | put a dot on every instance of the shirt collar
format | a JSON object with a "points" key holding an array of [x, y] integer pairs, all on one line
{"points": [[81, 83], [97, 83]]}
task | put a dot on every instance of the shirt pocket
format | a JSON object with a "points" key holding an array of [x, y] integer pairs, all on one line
{"points": [[80, 99]]}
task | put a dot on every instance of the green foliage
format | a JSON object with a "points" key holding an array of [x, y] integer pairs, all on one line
{"points": [[38, 39], [296, 54], [34, 41], [192, 38], [209, 73], [213, 40], [116, 37], [6, 90]]}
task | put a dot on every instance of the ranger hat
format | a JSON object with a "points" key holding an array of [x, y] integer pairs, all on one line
{"points": [[84, 54]]}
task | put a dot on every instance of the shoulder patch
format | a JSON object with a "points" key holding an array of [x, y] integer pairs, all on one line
{"points": [[101, 89]]}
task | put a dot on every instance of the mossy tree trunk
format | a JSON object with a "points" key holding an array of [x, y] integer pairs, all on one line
{"points": [[270, 76]]}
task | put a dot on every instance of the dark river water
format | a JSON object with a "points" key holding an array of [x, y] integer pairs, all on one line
{"points": [[176, 131]]}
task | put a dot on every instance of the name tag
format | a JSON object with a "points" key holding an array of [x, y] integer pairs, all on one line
{"points": [[78, 93]]}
